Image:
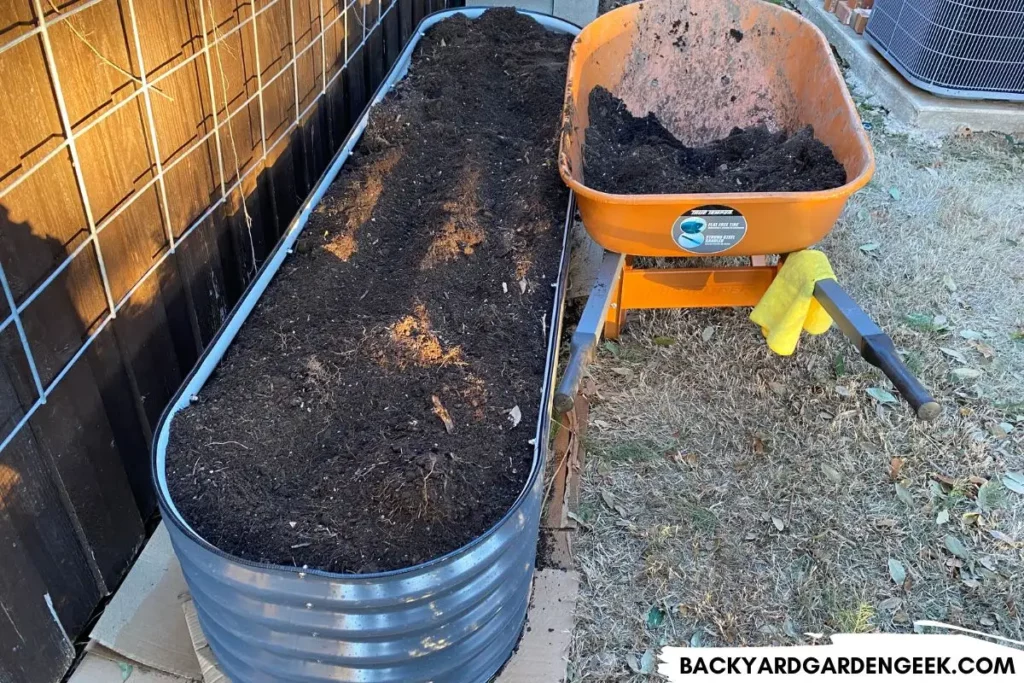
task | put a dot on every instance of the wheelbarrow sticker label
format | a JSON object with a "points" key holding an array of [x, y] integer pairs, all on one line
{"points": [[709, 229]]}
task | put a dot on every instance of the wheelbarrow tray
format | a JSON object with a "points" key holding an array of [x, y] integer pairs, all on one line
{"points": [[704, 67]]}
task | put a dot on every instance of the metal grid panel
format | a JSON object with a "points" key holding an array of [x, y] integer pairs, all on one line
{"points": [[146, 85], [957, 48]]}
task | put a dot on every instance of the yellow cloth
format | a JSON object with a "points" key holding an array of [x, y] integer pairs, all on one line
{"points": [[789, 305]]}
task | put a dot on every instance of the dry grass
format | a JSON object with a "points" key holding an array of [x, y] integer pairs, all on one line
{"points": [[739, 497]]}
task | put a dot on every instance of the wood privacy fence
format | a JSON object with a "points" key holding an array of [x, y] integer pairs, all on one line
{"points": [[151, 154]]}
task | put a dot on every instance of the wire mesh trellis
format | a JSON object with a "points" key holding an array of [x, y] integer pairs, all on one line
{"points": [[354, 21], [954, 48]]}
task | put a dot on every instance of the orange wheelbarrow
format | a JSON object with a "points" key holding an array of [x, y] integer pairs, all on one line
{"points": [[704, 67]]}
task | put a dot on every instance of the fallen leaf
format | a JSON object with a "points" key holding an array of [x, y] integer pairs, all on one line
{"points": [[707, 334], [293, 524], [601, 424], [971, 335], [940, 322], [901, 617], [988, 563], [971, 583], [954, 354], [954, 546], [905, 495], [843, 391], [758, 445], [515, 416], [869, 247], [942, 517], [126, 670], [440, 411], [522, 286], [987, 621], [647, 662], [832, 474], [895, 467], [655, 617], [1000, 536], [881, 395], [885, 523], [697, 639], [970, 518], [623, 372], [944, 479], [611, 347], [991, 496], [895, 193], [897, 571], [779, 524], [789, 627], [949, 284], [778, 387], [984, 349], [608, 499], [633, 662], [1014, 481], [664, 341], [579, 520], [967, 373], [890, 604]]}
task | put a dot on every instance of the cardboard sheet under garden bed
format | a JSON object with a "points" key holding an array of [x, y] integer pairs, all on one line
{"points": [[377, 409]]}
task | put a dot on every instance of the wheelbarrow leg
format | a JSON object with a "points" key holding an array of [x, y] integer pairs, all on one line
{"points": [[595, 319], [615, 318], [875, 346]]}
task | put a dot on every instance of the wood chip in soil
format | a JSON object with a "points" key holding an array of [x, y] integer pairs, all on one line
{"points": [[319, 440]]}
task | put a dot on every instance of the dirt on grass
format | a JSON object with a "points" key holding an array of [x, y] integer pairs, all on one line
{"points": [[757, 499], [378, 407], [626, 154]]}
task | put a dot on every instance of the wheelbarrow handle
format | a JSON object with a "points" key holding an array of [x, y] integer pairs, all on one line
{"points": [[588, 332], [875, 347]]}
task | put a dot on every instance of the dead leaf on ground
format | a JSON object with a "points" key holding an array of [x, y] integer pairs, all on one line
{"points": [[955, 546], [779, 524], [943, 479], [890, 604], [707, 334], [954, 354], [1000, 536], [897, 571], [984, 349], [758, 445], [440, 411], [895, 467], [904, 494]]}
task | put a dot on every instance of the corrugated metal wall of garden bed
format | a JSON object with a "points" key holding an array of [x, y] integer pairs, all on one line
{"points": [[151, 153]]}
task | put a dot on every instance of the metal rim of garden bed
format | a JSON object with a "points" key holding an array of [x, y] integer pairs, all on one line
{"points": [[213, 354]]}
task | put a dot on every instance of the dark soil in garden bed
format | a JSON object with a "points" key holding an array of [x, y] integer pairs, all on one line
{"points": [[364, 418], [624, 154]]}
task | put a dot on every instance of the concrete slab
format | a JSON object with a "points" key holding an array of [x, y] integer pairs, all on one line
{"points": [[908, 104]]}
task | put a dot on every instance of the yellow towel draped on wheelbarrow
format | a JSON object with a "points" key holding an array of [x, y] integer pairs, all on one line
{"points": [[789, 305]]}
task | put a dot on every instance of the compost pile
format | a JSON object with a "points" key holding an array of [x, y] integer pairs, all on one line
{"points": [[624, 154], [378, 408]]}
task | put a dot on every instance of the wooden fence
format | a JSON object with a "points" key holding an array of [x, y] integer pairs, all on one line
{"points": [[151, 154]]}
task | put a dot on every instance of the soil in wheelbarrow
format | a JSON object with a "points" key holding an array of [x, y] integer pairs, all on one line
{"points": [[625, 154], [378, 408]]}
